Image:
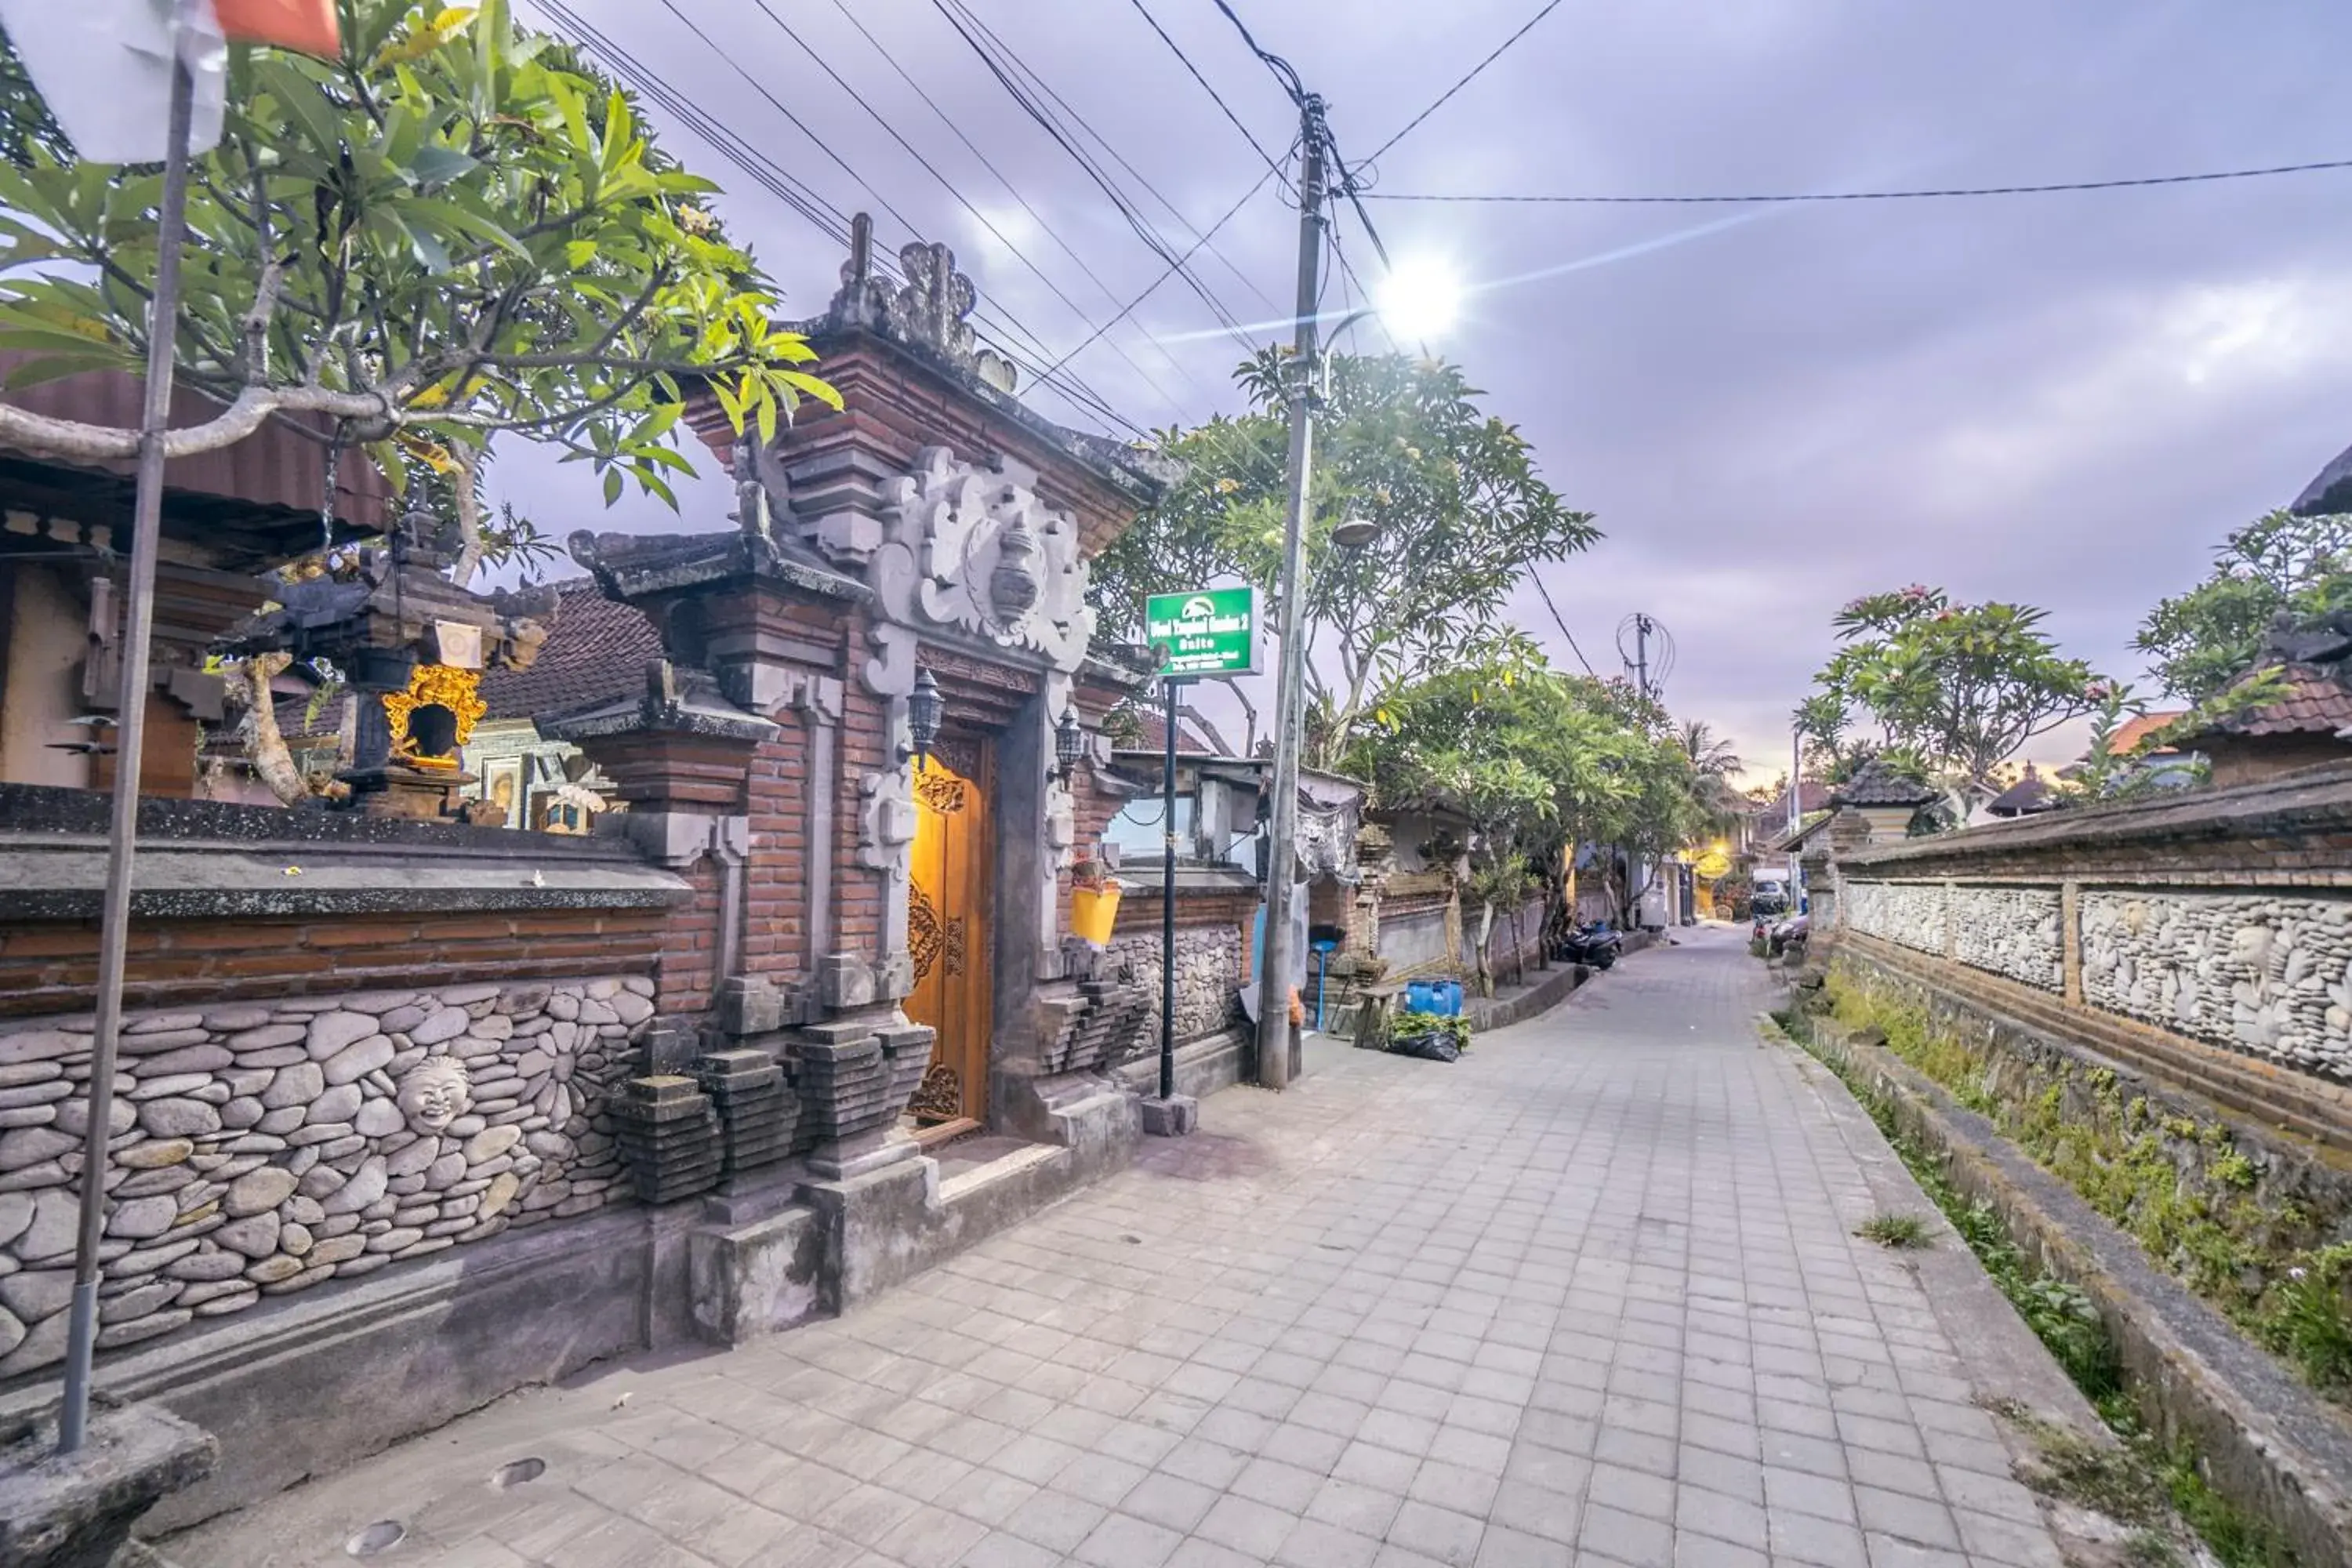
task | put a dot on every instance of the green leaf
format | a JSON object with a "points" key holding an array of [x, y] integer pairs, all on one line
{"points": [[439, 165], [613, 483]]}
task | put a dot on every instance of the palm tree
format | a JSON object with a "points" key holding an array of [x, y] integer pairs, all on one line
{"points": [[1709, 754]]}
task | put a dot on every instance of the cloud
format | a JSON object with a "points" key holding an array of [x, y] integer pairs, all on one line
{"points": [[2065, 400]]}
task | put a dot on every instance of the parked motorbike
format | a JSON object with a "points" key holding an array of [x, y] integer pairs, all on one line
{"points": [[1596, 945], [1789, 934]]}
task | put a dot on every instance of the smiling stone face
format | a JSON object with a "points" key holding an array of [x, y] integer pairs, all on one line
{"points": [[436, 1094]]}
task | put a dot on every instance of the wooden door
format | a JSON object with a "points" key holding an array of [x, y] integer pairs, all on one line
{"points": [[948, 928]]}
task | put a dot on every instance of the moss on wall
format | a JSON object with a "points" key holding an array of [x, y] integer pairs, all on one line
{"points": [[2258, 1227]]}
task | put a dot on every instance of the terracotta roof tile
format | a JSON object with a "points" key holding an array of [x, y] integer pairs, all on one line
{"points": [[597, 650], [2316, 701], [2132, 732]]}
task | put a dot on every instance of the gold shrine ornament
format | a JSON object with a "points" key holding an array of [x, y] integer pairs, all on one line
{"points": [[435, 685]]}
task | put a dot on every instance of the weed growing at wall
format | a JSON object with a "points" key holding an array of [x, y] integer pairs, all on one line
{"points": [[2183, 1188], [2135, 1483]]}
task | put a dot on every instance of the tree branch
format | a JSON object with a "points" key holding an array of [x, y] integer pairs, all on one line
{"points": [[42, 435]]}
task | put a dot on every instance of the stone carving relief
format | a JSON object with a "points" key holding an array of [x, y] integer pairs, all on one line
{"points": [[885, 836], [1909, 914], [975, 552], [2012, 931], [2268, 975], [435, 1092], [1328, 839]]}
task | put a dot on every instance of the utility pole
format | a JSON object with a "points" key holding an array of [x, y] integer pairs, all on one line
{"points": [[1641, 653], [129, 740], [1290, 681], [1796, 817]]}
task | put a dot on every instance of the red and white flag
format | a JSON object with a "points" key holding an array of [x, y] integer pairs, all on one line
{"points": [[307, 25], [104, 67]]}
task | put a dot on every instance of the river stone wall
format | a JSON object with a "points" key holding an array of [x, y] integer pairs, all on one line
{"points": [[2012, 931], [1209, 965], [260, 1150], [2264, 974]]}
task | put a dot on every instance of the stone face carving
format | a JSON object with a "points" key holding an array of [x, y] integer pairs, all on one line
{"points": [[975, 552], [2012, 931], [2265, 974], [277, 1145], [436, 1093], [1910, 914]]}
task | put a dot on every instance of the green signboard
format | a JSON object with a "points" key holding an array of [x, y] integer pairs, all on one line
{"points": [[1210, 631]]}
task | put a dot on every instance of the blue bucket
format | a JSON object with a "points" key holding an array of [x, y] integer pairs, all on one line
{"points": [[1421, 996], [1449, 998]]}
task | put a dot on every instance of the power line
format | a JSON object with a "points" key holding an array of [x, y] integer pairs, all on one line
{"points": [[1178, 50], [1556, 619], [1526, 27], [982, 217], [968, 26], [820, 214], [1129, 309], [1283, 71], [1871, 195]]}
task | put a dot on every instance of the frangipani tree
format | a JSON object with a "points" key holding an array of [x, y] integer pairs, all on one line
{"points": [[1461, 510], [1955, 688], [455, 231]]}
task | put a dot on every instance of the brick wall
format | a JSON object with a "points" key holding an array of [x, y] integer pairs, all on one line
{"points": [[51, 966]]}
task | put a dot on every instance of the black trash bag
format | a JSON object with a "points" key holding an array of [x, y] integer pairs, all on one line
{"points": [[1430, 1048], [1430, 1035]]}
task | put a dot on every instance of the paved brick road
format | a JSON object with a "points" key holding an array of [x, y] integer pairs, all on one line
{"points": [[1590, 1296]]}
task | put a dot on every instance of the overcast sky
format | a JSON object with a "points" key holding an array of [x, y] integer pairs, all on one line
{"points": [[2063, 399]]}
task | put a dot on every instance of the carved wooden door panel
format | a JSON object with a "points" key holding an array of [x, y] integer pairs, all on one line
{"points": [[947, 927]]}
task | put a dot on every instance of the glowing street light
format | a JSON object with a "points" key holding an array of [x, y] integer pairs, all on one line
{"points": [[1421, 297]]}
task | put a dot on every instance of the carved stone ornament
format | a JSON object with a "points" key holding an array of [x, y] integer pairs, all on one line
{"points": [[886, 842], [927, 311], [435, 1092], [443, 686], [975, 550]]}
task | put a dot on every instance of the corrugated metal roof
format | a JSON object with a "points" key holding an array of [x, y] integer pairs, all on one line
{"points": [[275, 466]]}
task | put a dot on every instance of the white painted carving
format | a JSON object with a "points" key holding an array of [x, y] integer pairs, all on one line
{"points": [[886, 830], [1910, 914], [2012, 931], [977, 552], [2268, 975]]}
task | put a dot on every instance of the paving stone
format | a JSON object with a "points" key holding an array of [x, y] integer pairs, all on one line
{"points": [[1590, 1296]]}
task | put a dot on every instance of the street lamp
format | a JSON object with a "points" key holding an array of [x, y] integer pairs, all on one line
{"points": [[1427, 296]]}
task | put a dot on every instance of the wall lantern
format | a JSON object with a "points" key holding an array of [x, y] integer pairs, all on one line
{"points": [[1069, 746], [925, 707]]}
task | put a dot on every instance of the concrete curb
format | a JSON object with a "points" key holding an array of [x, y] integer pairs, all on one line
{"points": [[2266, 1442]]}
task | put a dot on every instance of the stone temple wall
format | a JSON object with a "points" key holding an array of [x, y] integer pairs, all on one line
{"points": [[261, 1149], [2267, 974], [1910, 914], [2012, 931], [1210, 961]]}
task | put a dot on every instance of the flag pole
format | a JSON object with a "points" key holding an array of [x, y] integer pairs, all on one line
{"points": [[130, 733]]}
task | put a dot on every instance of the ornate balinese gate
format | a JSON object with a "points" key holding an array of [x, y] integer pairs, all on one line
{"points": [[948, 930]]}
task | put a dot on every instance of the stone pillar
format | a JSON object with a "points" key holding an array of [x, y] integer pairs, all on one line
{"points": [[668, 1136], [75, 1510], [2070, 938]]}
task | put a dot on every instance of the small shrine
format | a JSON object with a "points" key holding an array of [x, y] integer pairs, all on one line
{"points": [[385, 619]]}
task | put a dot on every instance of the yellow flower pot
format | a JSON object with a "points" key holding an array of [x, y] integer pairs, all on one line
{"points": [[1093, 911]]}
